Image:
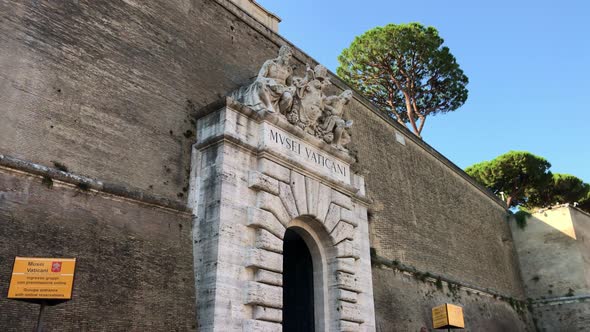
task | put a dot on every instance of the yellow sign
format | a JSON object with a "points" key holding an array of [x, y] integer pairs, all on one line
{"points": [[455, 314], [447, 316], [439, 316], [42, 278]]}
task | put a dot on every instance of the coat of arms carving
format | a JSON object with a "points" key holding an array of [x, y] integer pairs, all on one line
{"points": [[300, 99]]}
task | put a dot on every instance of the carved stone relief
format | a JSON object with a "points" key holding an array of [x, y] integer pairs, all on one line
{"points": [[300, 99]]}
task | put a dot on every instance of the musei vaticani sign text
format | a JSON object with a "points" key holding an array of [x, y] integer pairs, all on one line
{"points": [[284, 143]]}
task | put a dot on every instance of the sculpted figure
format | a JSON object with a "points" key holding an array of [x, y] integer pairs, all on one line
{"points": [[300, 99], [273, 86], [308, 105], [332, 124]]}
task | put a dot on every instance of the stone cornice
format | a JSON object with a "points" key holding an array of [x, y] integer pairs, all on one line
{"points": [[432, 277], [561, 300], [278, 121], [89, 184], [269, 13]]}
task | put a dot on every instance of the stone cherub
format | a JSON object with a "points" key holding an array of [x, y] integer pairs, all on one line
{"points": [[332, 124], [273, 87]]}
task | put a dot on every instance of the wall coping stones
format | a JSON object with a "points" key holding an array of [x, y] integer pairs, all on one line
{"points": [[561, 300], [432, 277], [92, 184]]}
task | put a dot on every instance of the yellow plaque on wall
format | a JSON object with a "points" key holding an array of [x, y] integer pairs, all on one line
{"points": [[42, 278], [447, 316]]}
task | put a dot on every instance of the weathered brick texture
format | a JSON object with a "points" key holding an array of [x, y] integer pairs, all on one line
{"points": [[408, 303], [426, 215], [134, 267]]}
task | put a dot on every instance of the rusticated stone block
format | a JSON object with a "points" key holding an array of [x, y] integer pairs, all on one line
{"points": [[259, 218], [350, 312], [288, 200], [347, 248], [341, 199], [347, 296], [323, 201], [274, 170], [266, 240], [347, 281], [349, 216], [274, 205], [264, 259], [298, 186], [312, 188], [252, 325], [359, 183], [346, 326], [264, 295], [347, 265], [259, 181], [332, 218], [268, 314], [342, 231], [268, 277]]}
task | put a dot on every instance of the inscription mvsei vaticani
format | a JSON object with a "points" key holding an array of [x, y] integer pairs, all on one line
{"points": [[302, 150]]}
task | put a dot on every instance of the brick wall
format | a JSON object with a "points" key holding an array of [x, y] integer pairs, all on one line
{"points": [[425, 214], [407, 302], [134, 268]]}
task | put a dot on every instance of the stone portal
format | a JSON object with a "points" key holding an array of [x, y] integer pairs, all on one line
{"points": [[268, 168]]}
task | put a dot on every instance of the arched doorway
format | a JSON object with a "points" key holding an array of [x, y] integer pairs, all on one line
{"points": [[298, 284]]}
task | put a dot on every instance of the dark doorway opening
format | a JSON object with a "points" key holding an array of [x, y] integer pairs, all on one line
{"points": [[298, 308]]}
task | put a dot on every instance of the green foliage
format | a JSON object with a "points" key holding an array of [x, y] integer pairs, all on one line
{"points": [[523, 179], [373, 252], [439, 284], [585, 203], [83, 186], [47, 181], [518, 306], [405, 70], [514, 176], [454, 289], [188, 134], [60, 166], [520, 217], [563, 188], [421, 276]]}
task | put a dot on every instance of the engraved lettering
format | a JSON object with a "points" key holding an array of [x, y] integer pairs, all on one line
{"points": [[273, 136], [308, 153], [341, 170]]}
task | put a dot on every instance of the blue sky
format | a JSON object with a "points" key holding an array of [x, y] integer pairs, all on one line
{"points": [[528, 63]]}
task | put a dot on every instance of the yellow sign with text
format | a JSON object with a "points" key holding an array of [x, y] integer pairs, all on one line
{"points": [[42, 278], [447, 316]]}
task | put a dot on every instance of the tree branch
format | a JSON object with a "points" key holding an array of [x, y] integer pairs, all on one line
{"points": [[422, 120]]}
